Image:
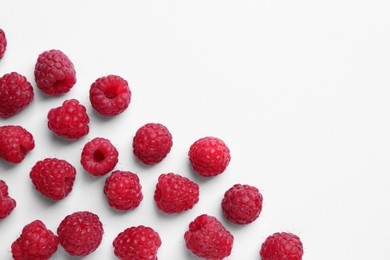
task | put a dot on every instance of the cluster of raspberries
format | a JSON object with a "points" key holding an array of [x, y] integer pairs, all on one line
{"points": [[81, 233]]}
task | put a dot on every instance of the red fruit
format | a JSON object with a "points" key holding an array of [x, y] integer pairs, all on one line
{"points": [[7, 204], [242, 204], [53, 178], [152, 143], [110, 95], [208, 238], [69, 120], [137, 243], [123, 190], [3, 43], [16, 93], [283, 245], [35, 243], [80, 233], [99, 156], [209, 156], [54, 73], [15, 143], [175, 193]]}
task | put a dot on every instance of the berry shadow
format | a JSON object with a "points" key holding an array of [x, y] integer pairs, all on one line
{"points": [[63, 140], [228, 224], [6, 166], [140, 164], [43, 199], [163, 215], [197, 177], [100, 118]]}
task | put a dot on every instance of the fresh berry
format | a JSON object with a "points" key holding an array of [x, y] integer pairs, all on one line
{"points": [[123, 190], [137, 243], [152, 143], [35, 243], [15, 143], [209, 156], [282, 245], [3, 43], [175, 193], [110, 95], [69, 120], [53, 178], [242, 204], [7, 204], [99, 156], [80, 233], [16, 93], [54, 73], [208, 238]]}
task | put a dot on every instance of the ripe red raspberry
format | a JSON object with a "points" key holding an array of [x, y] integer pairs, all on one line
{"points": [[208, 238], [99, 156], [123, 190], [15, 143], [53, 178], [282, 246], [242, 204], [110, 95], [137, 243], [69, 120], [152, 143], [175, 193], [54, 73], [209, 156], [35, 243], [3, 43], [7, 204], [16, 93], [80, 233]]}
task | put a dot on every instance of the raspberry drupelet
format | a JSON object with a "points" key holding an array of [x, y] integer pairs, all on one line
{"points": [[15, 143], [54, 73], [7, 204], [3, 43], [110, 95], [282, 245]]}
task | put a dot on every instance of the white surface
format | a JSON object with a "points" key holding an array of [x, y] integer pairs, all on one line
{"points": [[299, 90]]}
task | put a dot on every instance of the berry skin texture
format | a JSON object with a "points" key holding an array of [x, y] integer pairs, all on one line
{"points": [[3, 43], [209, 156], [123, 190], [208, 238], [110, 95], [54, 73], [99, 156], [137, 243], [15, 143], [175, 193], [7, 204], [35, 243], [53, 178], [80, 233], [242, 204], [16, 93], [152, 143], [69, 120], [280, 246]]}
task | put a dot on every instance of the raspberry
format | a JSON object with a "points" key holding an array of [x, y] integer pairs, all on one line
{"points": [[209, 156], [69, 120], [35, 243], [152, 143], [53, 178], [7, 204], [99, 156], [15, 143], [208, 238], [283, 245], [242, 204], [175, 193], [110, 95], [3, 43], [16, 93], [137, 243], [54, 73], [123, 190], [80, 233]]}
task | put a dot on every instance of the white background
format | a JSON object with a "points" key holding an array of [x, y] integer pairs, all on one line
{"points": [[298, 89]]}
